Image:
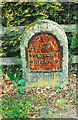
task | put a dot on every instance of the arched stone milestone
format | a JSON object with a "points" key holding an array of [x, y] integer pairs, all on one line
{"points": [[44, 53]]}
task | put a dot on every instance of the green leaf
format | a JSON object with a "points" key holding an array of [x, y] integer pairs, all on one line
{"points": [[9, 113], [21, 82], [69, 37], [15, 76], [21, 91], [44, 116], [58, 89], [18, 94], [6, 77], [19, 87], [70, 51], [14, 84], [73, 46]]}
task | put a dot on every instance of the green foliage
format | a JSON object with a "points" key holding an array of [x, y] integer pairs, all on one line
{"points": [[15, 109], [21, 13], [13, 72], [30, 106], [19, 84], [73, 43], [24, 13], [58, 89], [18, 94], [21, 91], [14, 84], [10, 46], [23, 108]]}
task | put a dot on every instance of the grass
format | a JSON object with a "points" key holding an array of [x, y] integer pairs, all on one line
{"points": [[30, 106], [24, 108], [39, 101]]}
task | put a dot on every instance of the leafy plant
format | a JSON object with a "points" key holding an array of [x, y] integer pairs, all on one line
{"points": [[10, 46], [29, 12], [19, 84], [73, 43], [12, 72]]}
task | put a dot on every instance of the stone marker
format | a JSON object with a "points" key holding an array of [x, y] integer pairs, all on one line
{"points": [[44, 53]]}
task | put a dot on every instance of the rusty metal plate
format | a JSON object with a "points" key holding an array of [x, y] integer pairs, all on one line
{"points": [[44, 53]]}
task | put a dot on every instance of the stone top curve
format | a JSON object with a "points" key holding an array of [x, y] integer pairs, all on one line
{"points": [[53, 28]]}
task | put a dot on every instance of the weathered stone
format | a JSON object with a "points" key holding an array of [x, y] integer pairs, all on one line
{"points": [[54, 78]]}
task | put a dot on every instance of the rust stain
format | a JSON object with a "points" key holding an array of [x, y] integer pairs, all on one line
{"points": [[44, 53]]}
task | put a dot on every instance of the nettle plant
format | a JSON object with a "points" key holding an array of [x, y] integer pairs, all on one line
{"points": [[19, 84]]}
